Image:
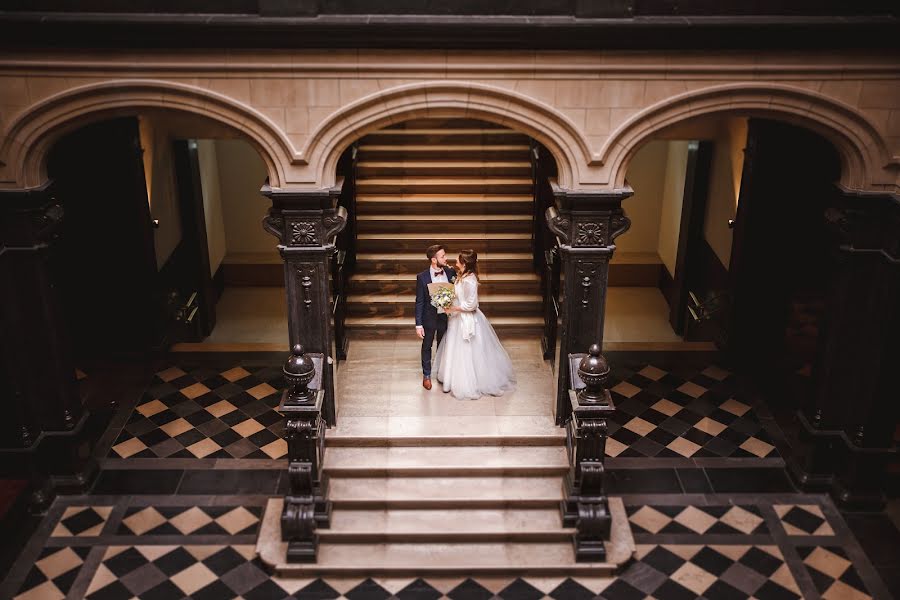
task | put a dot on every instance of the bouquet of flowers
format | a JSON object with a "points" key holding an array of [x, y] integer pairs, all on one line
{"points": [[442, 297]]}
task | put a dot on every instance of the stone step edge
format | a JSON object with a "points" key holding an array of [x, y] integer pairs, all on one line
{"points": [[338, 502], [365, 471], [333, 440], [273, 553], [419, 537]]}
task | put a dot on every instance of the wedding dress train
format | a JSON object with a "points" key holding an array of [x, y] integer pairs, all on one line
{"points": [[471, 362]]}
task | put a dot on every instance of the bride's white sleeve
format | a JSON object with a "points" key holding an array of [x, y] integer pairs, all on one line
{"points": [[468, 300]]}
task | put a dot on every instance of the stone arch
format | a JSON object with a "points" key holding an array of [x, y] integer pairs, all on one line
{"points": [[30, 136], [448, 99], [864, 154]]}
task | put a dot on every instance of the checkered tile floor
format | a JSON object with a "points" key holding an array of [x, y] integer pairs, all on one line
{"points": [[685, 412], [202, 413], [149, 549], [832, 572], [735, 520]]}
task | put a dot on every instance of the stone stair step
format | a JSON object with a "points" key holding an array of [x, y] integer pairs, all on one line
{"points": [[444, 185], [454, 241], [446, 525], [444, 167], [432, 492], [403, 223], [405, 305], [449, 151], [500, 323], [442, 204], [405, 283], [341, 556], [440, 460], [466, 136], [415, 261], [422, 431]]}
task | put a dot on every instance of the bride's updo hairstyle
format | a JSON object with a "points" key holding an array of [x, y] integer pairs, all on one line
{"points": [[468, 262]]}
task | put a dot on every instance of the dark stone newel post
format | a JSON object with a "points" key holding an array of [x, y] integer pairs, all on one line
{"points": [[847, 426], [586, 507], [306, 223], [306, 507], [585, 225], [43, 436]]}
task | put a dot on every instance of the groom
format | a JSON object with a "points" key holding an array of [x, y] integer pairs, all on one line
{"points": [[428, 321]]}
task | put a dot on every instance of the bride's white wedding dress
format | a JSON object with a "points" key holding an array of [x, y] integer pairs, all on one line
{"points": [[470, 360]]}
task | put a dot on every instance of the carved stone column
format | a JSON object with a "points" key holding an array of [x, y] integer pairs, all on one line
{"points": [[848, 425], [43, 436], [585, 225], [306, 223]]}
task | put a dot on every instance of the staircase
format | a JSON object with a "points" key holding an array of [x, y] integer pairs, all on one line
{"points": [[457, 182], [445, 504]]}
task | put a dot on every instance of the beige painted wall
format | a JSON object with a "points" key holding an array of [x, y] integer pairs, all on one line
{"points": [[212, 202], [672, 201], [241, 175], [646, 176], [159, 174], [724, 185]]}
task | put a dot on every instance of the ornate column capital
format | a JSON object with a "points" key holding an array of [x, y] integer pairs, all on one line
{"points": [[588, 219], [305, 218]]}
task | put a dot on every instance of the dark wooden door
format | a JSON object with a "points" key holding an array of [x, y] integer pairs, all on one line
{"points": [[185, 277], [689, 277], [779, 258], [105, 263]]}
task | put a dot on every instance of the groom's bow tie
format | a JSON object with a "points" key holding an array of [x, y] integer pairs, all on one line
{"points": [[438, 273]]}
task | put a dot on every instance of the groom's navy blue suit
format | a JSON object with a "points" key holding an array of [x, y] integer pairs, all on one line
{"points": [[427, 316]]}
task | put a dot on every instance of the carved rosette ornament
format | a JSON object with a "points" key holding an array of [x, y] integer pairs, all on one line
{"points": [[586, 507], [591, 234], [303, 233]]}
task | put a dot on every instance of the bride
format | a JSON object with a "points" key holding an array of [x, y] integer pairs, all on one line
{"points": [[471, 361]]}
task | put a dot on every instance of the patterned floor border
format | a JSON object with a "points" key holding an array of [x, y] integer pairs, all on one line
{"points": [[689, 546]]}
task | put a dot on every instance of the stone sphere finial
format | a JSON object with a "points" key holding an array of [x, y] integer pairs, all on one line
{"points": [[594, 372], [298, 371]]}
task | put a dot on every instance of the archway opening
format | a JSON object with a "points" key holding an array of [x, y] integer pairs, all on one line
{"points": [[162, 210], [461, 183], [730, 212]]}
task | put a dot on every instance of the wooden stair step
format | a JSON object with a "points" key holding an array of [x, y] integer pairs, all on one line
{"points": [[430, 218]]}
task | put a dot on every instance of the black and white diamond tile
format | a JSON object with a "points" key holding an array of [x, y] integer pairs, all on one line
{"points": [[803, 519], [190, 520], [698, 520], [53, 573], [203, 413], [82, 521], [833, 573], [689, 411], [715, 571]]}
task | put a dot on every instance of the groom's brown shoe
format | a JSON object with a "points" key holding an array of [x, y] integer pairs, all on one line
{"points": [[426, 383]]}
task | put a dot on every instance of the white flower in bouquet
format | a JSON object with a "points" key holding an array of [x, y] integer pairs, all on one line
{"points": [[442, 298]]}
